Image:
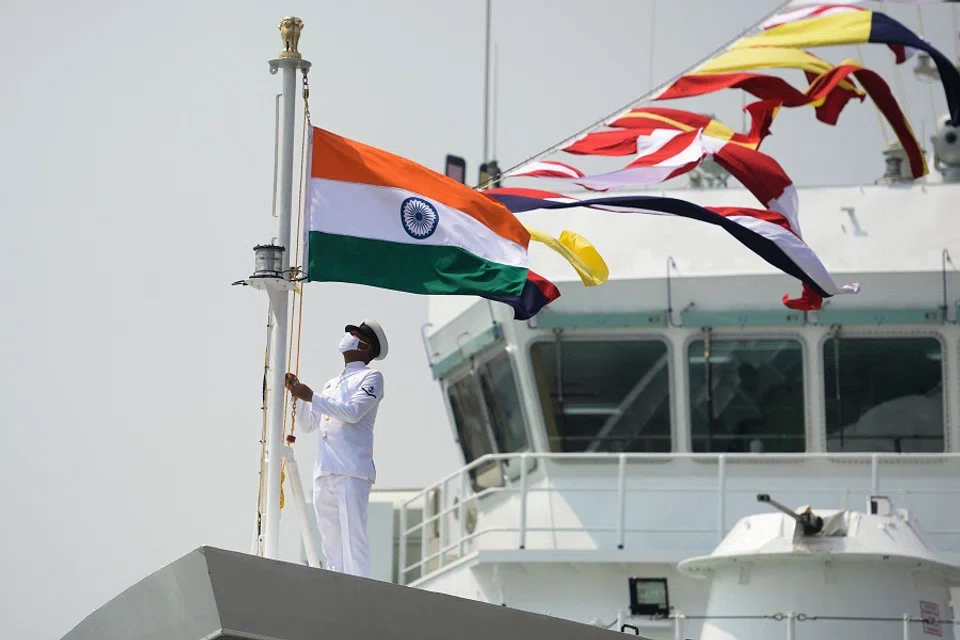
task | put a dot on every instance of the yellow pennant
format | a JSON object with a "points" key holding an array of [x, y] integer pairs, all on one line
{"points": [[748, 59], [578, 251]]}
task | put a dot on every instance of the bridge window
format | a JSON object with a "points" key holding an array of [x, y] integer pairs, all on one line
{"points": [[503, 404], [472, 432], [489, 418], [884, 394], [746, 396], [604, 395]]}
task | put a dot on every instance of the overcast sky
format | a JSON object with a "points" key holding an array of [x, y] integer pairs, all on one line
{"points": [[137, 144]]}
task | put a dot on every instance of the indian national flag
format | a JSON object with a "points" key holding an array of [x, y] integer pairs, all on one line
{"points": [[378, 219]]}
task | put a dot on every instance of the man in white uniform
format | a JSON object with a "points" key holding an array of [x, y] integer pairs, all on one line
{"points": [[344, 412]]}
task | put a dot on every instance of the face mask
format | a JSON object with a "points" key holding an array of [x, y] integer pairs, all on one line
{"points": [[348, 343]]}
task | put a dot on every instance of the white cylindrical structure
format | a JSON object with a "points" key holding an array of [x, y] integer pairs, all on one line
{"points": [[824, 594], [855, 579], [288, 64], [279, 306]]}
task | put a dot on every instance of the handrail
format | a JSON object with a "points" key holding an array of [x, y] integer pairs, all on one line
{"points": [[791, 457], [455, 538], [790, 619]]}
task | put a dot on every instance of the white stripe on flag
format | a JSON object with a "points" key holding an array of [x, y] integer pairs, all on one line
{"points": [[373, 212]]}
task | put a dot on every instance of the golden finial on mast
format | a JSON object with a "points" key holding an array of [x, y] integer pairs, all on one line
{"points": [[290, 28]]}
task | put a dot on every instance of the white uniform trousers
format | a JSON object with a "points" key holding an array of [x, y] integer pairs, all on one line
{"points": [[341, 506]]}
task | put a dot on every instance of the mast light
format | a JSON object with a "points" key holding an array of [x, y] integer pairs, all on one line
{"points": [[268, 271], [268, 261]]}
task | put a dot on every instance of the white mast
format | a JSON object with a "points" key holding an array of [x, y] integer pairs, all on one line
{"points": [[273, 275]]}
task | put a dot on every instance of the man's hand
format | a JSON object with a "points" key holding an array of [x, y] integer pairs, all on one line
{"points": [[302, 391], [298, 389]]}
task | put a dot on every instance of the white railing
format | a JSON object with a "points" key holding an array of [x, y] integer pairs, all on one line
{"points": [[790, 620], [452, 537]]}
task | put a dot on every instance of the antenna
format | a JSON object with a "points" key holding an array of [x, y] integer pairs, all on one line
{"points": [[486, 88], [496, 95], [653, 48], [812, 524]]}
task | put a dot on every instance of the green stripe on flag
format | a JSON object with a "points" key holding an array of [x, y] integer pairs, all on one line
{"points": [[414, 268]]}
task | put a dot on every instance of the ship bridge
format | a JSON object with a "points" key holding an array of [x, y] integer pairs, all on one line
{"points": [[635, 422]]}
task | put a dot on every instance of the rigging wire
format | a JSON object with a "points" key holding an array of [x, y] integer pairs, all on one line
{"points": [[956, 31], [898, 73], [496, 97], [653, 47], [876, 110], [486, 84], [646, 96], [933, 104]]}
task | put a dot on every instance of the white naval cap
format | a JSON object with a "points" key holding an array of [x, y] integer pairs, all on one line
{"points": [[374, 332]]}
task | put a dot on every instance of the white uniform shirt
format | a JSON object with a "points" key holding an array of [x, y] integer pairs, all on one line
{"points": [[344, 412]]}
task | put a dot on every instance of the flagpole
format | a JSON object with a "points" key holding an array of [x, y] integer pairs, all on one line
{"points": [[288, 62]]}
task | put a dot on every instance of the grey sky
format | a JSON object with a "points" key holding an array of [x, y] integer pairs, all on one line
{"points": [[137, 154]]}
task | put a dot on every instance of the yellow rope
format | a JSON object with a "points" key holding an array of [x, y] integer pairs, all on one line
{"points": [[299, 292]]}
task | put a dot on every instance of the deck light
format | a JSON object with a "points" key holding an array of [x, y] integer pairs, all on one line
{"points": [[649, 597]]}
